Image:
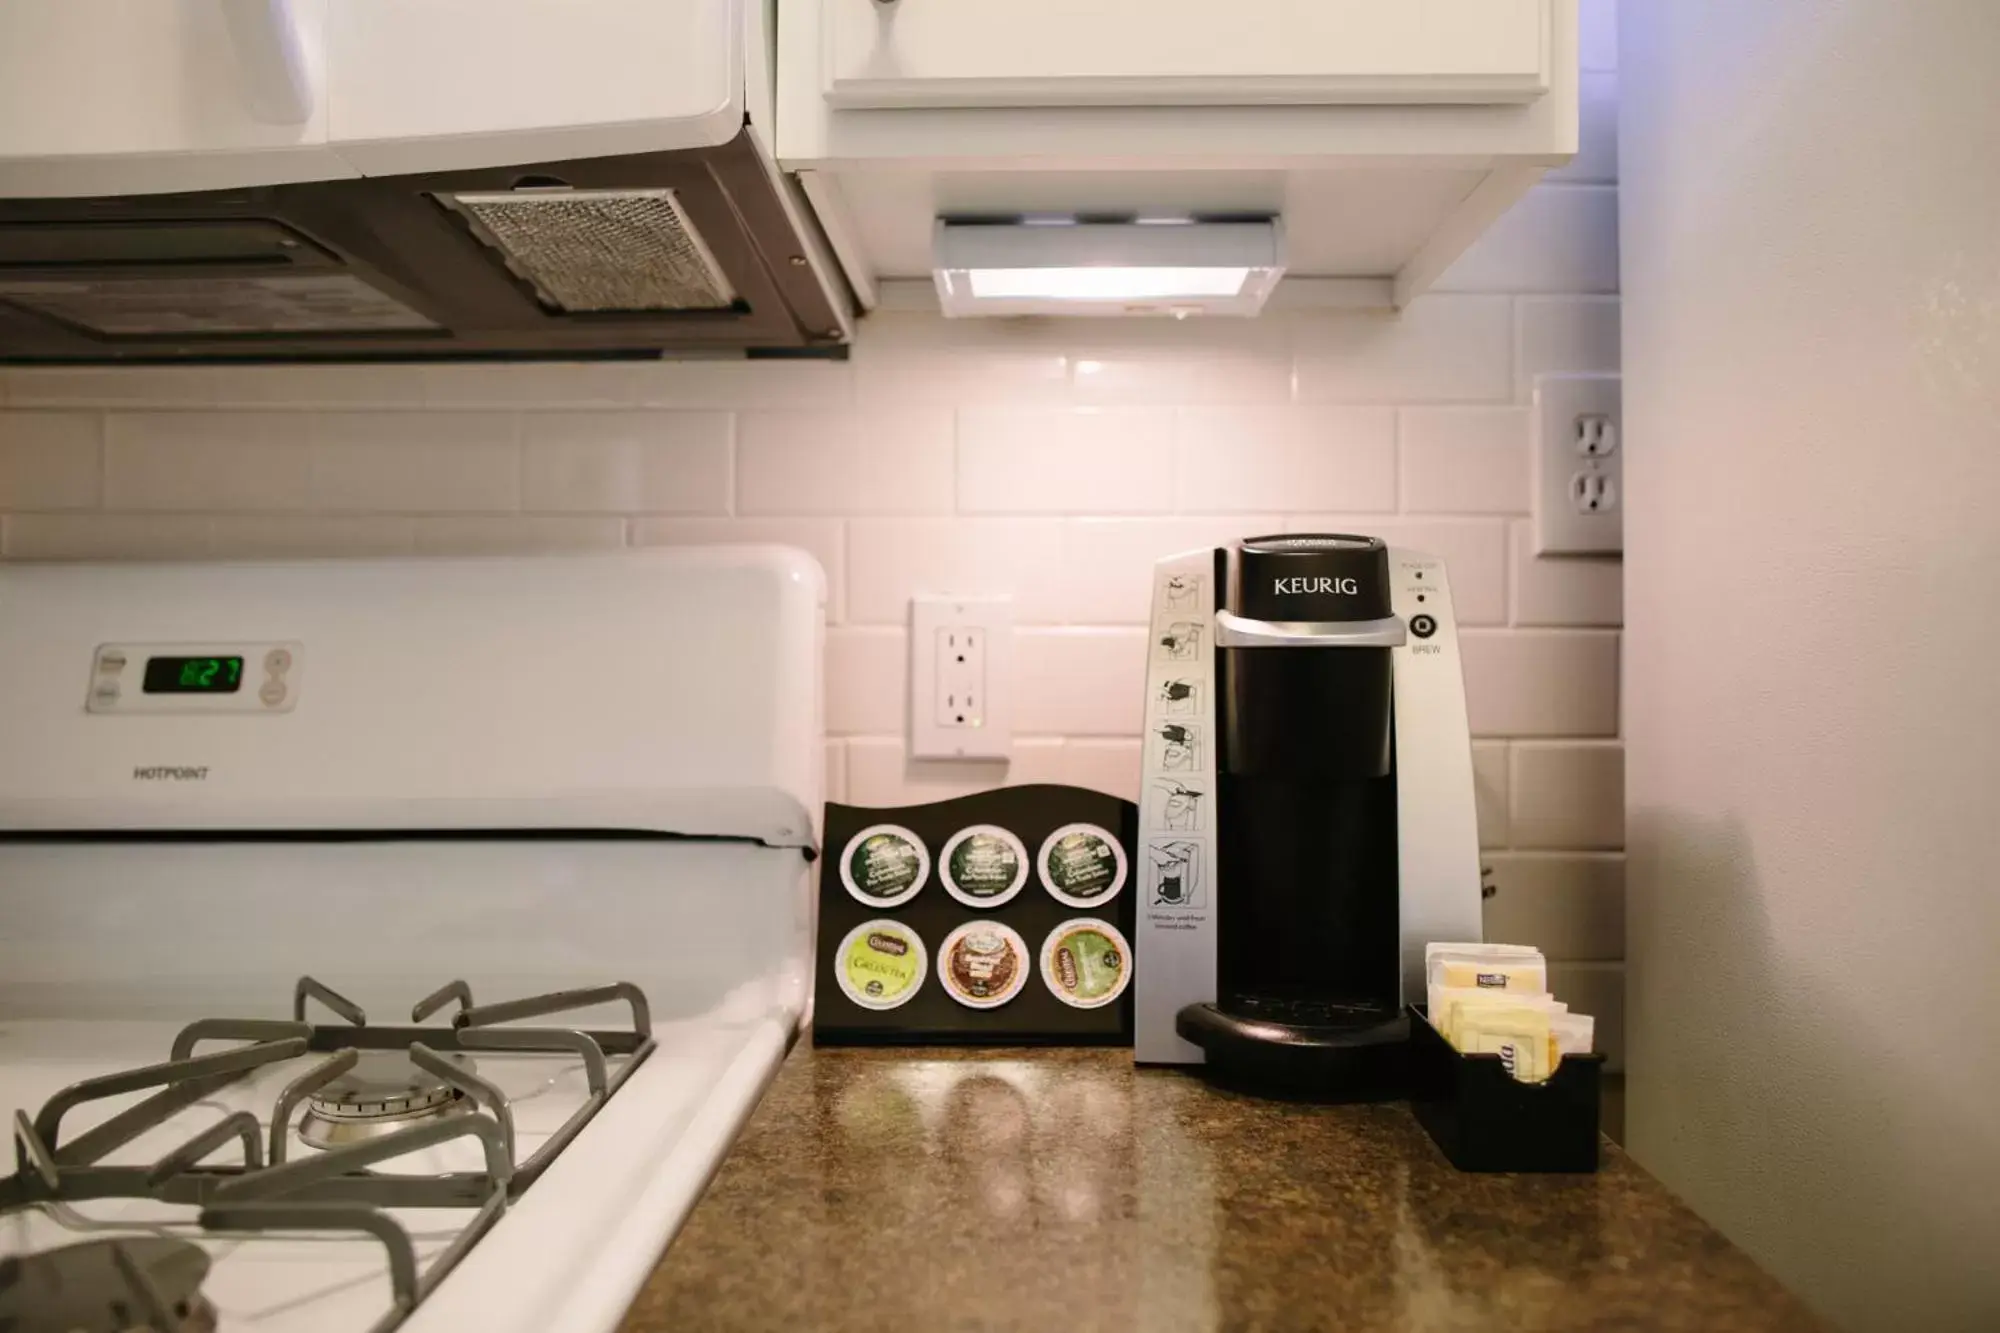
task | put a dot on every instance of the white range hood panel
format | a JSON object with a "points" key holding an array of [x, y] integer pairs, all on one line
{"points": [[442, 85], [126, 97]]}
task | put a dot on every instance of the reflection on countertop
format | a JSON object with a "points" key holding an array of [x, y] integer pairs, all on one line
{"points": [[1065, 1189]]}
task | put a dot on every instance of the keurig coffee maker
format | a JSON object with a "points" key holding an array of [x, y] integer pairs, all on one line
{"points": [[1307, 810]]}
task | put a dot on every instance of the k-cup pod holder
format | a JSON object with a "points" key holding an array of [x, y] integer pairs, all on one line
{"points": [[1001, 918]]}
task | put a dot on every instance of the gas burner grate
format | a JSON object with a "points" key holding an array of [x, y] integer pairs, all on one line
{"points": [[331, 1189], [104, 1286]]}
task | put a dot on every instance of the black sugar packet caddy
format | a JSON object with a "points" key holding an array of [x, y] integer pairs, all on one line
{"points": [[1485, 1120]]}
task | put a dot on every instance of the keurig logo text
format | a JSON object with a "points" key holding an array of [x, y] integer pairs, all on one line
{"points": [[1301, 583]]}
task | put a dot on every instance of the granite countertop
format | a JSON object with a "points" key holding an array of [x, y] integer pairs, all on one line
{"points": [[1067, 1190]]}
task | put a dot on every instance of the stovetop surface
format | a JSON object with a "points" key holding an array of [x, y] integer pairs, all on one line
{"points": [[322, 1282]]}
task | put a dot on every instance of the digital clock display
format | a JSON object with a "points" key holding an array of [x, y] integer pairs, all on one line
{"points": [[194, 675]]}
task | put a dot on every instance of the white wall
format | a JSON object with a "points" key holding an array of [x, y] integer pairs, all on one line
{"points": [[1811, 242], [1053, 461]]}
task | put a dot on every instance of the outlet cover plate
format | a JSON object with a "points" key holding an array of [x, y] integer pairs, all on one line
{"points": [[1563, 459], [989, 731]]}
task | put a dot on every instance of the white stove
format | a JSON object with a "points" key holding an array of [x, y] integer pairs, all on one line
{"points": [[391, 944]]}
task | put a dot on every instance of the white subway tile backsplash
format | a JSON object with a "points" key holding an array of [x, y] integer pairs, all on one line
{"points": [[514, 534], [415, 462], [906, 358], [193, 461], [1570, 906], [874, 461], [879, 772], [626, 462], [1080, 682], [1474, 552], [1464, 460], [891, 560], [51, 460], [728, 384], [1065, 460], [1564, 590], [1441, 348], [1489, 790], [309, 536], [1560, 238], [1265, 459], [1104, 765], [1198, 362], [867, 680], [1541, 682], [1568, 794], [318, 386], [825, 539], [1565, 335], [1597, 989], [1107, 563], [539, 384], [106, 386], [836, 771], [106, 536]]}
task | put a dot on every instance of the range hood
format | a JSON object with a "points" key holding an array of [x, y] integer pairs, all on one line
{"points": [[352, 179]]}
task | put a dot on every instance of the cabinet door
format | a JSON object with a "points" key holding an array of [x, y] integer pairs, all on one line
{"points": [[141, 96], [442, 85], [1008, 53]]}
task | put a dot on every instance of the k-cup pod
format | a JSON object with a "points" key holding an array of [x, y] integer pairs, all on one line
{"points": [[884, 865], [983, 866], [1086, 963], [881, 964], [1082, 865], [983, 964]]}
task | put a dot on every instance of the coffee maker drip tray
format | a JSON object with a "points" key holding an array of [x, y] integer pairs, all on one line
{"points": [[1303, 1048]]}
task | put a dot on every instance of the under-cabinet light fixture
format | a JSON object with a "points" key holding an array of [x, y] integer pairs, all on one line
{"points": [[1106, 268]]}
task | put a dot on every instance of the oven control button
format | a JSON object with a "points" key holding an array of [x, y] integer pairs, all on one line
{"points": [[273, 693], [1423, 626], [111, 663], [105, 695], [278, 661]]}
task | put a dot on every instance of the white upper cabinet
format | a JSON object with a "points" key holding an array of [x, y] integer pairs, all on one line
{"points": [[1017, 53], [133, 96], [431, 85], [1386, 134]]}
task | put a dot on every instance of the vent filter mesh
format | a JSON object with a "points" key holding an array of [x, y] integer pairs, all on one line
{"points": [[600, 250]]}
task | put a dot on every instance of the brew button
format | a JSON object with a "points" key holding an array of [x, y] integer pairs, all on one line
{"points": [[273, 693], [278, 661], [1423, 626]]}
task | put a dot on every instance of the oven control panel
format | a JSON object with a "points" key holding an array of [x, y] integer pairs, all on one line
{"points": [[196, 677]]}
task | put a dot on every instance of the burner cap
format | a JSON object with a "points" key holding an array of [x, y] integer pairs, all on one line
{"points": [[384, 1092], [83, 1288]]}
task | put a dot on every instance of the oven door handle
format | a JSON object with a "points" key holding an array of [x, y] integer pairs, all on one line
{"points": [[277, 85]]}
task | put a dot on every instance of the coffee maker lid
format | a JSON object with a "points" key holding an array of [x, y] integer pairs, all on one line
{"points": [[1316, 577], [1312, 541]]}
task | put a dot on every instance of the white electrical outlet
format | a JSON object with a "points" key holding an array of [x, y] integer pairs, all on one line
{"points": [[1579, 465], [960, 698], [960, 662]]}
